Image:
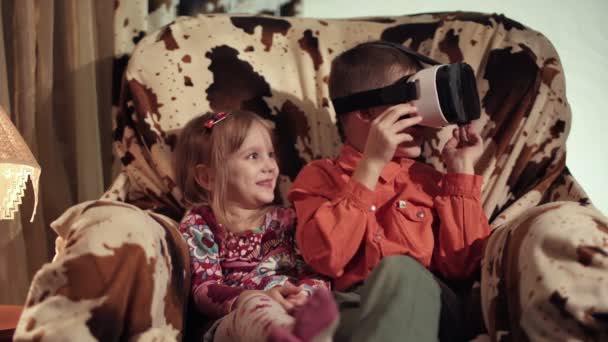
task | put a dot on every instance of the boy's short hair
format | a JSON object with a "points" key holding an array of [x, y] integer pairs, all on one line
{"points": [[367, 66]]}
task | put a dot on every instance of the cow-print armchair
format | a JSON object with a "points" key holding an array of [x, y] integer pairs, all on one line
{"points": [[122, 270]]}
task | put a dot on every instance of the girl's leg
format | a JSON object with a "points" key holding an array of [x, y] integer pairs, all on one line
{"points": [[252, 320], [315, 321], [260, 318]]}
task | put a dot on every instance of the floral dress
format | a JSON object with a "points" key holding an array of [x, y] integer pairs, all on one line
{"points": [[224, 264]]}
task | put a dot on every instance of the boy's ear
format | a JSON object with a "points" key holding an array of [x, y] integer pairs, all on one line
{"points": [[203, 176]]}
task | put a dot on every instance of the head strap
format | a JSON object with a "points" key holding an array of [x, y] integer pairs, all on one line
{"points": [[399, 92], [417, 56]]}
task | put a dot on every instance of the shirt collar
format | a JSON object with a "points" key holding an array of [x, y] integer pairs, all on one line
{"points": [[349, 159]]}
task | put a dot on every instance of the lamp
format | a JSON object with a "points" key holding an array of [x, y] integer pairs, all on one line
{"points": [[17, 163]]}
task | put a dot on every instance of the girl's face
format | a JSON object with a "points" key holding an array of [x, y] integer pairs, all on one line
{"points": [[252, 171]]}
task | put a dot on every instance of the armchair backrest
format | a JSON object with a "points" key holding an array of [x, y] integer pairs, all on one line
{"points": [[278, 67]]}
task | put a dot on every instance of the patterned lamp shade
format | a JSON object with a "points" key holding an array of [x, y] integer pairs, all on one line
{"points": [[17, 163]]}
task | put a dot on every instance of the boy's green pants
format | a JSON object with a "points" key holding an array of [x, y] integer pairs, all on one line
{"points": [[399, 301]]}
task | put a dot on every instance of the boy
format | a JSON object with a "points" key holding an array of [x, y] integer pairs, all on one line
{"points": [[376, 221]]}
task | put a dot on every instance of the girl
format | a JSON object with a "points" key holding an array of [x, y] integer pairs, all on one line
{"points": [[246, 270]]}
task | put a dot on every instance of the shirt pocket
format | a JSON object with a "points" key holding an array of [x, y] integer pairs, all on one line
{"points": [[413, 228], [412, 212]]}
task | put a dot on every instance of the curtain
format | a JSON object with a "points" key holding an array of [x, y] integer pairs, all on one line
{"points": [[55, 77]]}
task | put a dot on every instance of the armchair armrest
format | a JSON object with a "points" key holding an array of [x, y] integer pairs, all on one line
{"points": [[544, 275], [122, 274]]}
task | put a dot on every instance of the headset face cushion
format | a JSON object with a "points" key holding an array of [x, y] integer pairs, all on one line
{"points": [[457, 92]]}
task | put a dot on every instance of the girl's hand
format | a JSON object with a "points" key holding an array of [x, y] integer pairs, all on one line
{"points": [[282, 293], [463, 150], [287, 295]]}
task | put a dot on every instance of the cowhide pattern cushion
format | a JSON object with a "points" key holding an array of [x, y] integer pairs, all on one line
{"points": [[544, 271]]}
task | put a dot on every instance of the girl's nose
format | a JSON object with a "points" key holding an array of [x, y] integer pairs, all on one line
{"points": [[270, 165]]}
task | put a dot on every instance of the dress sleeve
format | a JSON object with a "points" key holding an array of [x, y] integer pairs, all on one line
{"points": [[212, 297], [287, 256]]}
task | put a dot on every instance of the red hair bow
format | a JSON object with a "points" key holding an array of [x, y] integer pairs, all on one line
{"points": [[215, 119]]}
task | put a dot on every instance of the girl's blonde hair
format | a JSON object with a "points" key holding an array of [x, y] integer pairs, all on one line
{"points": [[211, 146]]}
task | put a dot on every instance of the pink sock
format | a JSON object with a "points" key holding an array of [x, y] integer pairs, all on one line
{"points": [[317, 320]]}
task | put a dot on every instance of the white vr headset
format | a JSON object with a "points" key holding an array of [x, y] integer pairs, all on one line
{"points": [[444, 94]]}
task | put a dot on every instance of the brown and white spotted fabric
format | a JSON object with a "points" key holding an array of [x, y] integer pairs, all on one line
{"points": [[545, 271], [119, 273]]}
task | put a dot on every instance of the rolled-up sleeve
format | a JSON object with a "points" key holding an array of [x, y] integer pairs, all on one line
{"points": [[463, 226], [331, 224]]}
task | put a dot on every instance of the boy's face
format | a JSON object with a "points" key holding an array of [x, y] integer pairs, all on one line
{"points": [[357, 125]]}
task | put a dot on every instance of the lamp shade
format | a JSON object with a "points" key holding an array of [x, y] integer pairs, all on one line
{"points": [[17, 163]]}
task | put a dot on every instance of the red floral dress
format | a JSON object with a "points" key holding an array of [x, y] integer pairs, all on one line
{"points": [[224, 264]]}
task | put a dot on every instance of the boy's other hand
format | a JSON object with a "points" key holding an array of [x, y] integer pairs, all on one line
{"points": [[463, 150]]}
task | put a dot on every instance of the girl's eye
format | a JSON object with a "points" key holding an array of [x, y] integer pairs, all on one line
{"points": [[253, 155], [272, 155]]}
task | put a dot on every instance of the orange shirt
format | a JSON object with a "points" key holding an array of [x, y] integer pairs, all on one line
{"points": [[344, 229]]}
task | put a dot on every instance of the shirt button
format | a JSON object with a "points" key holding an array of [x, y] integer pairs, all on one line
{"points": [[377, 237], [420, 214], [372, 208], [401, 204]]}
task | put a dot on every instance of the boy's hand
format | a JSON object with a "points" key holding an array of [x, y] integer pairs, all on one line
{"points": [[463, 150], [385, 135]]}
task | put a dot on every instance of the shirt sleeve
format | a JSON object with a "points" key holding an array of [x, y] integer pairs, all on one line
{"points": [[463, 227], [308, 279], [211, 296], [332, 218]]}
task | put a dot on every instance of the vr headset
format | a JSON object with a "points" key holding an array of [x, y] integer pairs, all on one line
{"points": [[444, 94]]}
